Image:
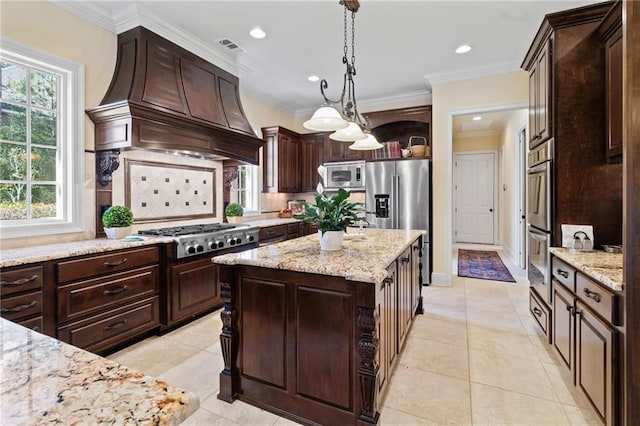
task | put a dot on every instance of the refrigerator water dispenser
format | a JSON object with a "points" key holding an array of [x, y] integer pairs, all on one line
{"points": [[382, 205]]}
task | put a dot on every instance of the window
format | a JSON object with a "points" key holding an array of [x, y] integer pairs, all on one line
{"points": [[247, 191], [41, 142]]}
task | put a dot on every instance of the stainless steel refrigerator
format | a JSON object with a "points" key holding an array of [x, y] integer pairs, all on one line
{"points": [[398, 196]]}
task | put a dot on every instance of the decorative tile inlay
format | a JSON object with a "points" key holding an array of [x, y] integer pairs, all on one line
{"points": [[168, 191]]}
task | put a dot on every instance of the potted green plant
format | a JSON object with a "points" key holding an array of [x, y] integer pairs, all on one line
{"points": [[333, 213], [233, 211], [117, 221]]}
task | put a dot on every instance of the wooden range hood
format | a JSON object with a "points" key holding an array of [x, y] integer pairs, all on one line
{"points": [[164, 98]]}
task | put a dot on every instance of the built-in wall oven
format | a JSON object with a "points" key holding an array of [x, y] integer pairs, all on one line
{"points": [[539, 219]]}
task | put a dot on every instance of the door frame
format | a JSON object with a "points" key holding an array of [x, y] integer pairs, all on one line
{"points": [[496, 203], [446, 277], [521, 195]]}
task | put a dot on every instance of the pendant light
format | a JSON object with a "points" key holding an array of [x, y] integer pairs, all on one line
{"points": [[347, 123], [370, 142]]}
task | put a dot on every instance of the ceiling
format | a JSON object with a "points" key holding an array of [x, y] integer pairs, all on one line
{"points": [[402, 47]]}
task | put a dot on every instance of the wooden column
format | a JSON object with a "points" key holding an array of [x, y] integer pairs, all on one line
{"points": [[368, 348], [229, 335], [631, 197]]}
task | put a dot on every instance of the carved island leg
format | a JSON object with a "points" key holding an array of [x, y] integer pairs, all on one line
{"points": [[228, 342], [368, 371]]}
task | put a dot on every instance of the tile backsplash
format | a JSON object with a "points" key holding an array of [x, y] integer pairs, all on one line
{"points": [[156, 191]]}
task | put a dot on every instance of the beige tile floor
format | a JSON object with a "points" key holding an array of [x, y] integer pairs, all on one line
{"points": [[474, 358]]}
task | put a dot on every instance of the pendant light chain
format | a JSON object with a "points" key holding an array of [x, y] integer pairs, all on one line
{"points": [[353, 41]]}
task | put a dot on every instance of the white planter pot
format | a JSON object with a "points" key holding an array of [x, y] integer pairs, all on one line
{"points": [[331, 240], [117, 233], [234, 219]]}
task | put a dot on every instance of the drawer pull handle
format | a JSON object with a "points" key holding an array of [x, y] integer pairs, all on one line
{"points": [[592, 295], [19, 308], [388, 280], [114, 291], [537, 311], [405, 259], [116, 325], [18, 282], [36, 328], [562, 273], [117, 263]]}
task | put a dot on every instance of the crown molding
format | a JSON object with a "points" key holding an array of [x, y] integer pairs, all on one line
{"points": [[405, 100], [495, 69], [89, 12], [133, 15]]}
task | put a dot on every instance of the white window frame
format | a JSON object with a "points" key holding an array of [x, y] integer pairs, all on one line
{"points": [[254, 193], [70, 166]]}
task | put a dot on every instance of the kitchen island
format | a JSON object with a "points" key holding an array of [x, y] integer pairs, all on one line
{"points": [[46, 381], [315, 336]]}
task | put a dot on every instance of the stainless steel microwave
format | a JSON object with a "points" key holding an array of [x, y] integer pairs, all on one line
{"points": [[348, 175]]}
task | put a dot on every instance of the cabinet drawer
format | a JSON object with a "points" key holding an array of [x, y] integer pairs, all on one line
{"points": [[106, 264], [106, 330], [35, 324], [603, 302], [563, 273], [293, 230], [20, 280], [540, 312], [88, 297], [273, 232], [17, 307]]}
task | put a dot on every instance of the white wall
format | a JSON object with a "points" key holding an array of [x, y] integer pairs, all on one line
{"points": [[504, 91]]}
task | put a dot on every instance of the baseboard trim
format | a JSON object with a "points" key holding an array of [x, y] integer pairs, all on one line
{"points": [[440, 278]]}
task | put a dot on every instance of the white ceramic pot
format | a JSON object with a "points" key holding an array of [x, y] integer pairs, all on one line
{"points": [[117, 233], [234, 219], [330, 240]]}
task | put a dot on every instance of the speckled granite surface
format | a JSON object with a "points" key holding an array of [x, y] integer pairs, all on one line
{"points": [[600, 265], [25, 255], [45, 381], [364, 257]]}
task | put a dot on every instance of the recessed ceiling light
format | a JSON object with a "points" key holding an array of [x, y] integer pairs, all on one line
{"points": [[477, 118], [313, 78], [463, 48], [257, 32]]}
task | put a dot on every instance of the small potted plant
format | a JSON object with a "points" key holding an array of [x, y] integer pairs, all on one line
{"points": [[233, 211], [332, 213], [117, 221]]}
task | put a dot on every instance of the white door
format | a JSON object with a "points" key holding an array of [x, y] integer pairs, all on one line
{"points": [[474, 195]]}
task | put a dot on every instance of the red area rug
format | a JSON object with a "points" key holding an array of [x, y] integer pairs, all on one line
{"points": [[484, 265]]}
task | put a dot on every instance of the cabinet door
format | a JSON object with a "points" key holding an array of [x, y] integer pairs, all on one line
{"points": [[404, 295], [613, 53], [193, 289], [392, 316], [596, 356], [311, 157], [416, 285], [534, 134], [544, 92], [288, 163], [563, 323], [339, 151]]}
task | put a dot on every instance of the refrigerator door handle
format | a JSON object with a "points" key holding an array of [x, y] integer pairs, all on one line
{"points": [[396, 207]]}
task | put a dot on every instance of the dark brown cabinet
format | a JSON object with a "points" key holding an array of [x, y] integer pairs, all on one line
{"points": [[586, 338], [539, 96], [611, 33], [335, 151], [567, 95], [405, 293], [193, 289], [105, 300], [311, 157], [24, 293], [281, 160]]}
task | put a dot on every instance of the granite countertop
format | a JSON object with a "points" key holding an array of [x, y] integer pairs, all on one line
{"points": [[599, 265], [45, 381], [364, 257], [26, 255]]}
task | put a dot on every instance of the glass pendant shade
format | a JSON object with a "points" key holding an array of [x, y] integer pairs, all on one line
{"points": [[351, 133], [366, 144], [325, 118]]}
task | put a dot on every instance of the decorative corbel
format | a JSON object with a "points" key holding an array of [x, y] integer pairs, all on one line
{"points": [[108, 162], [230, 174]]}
